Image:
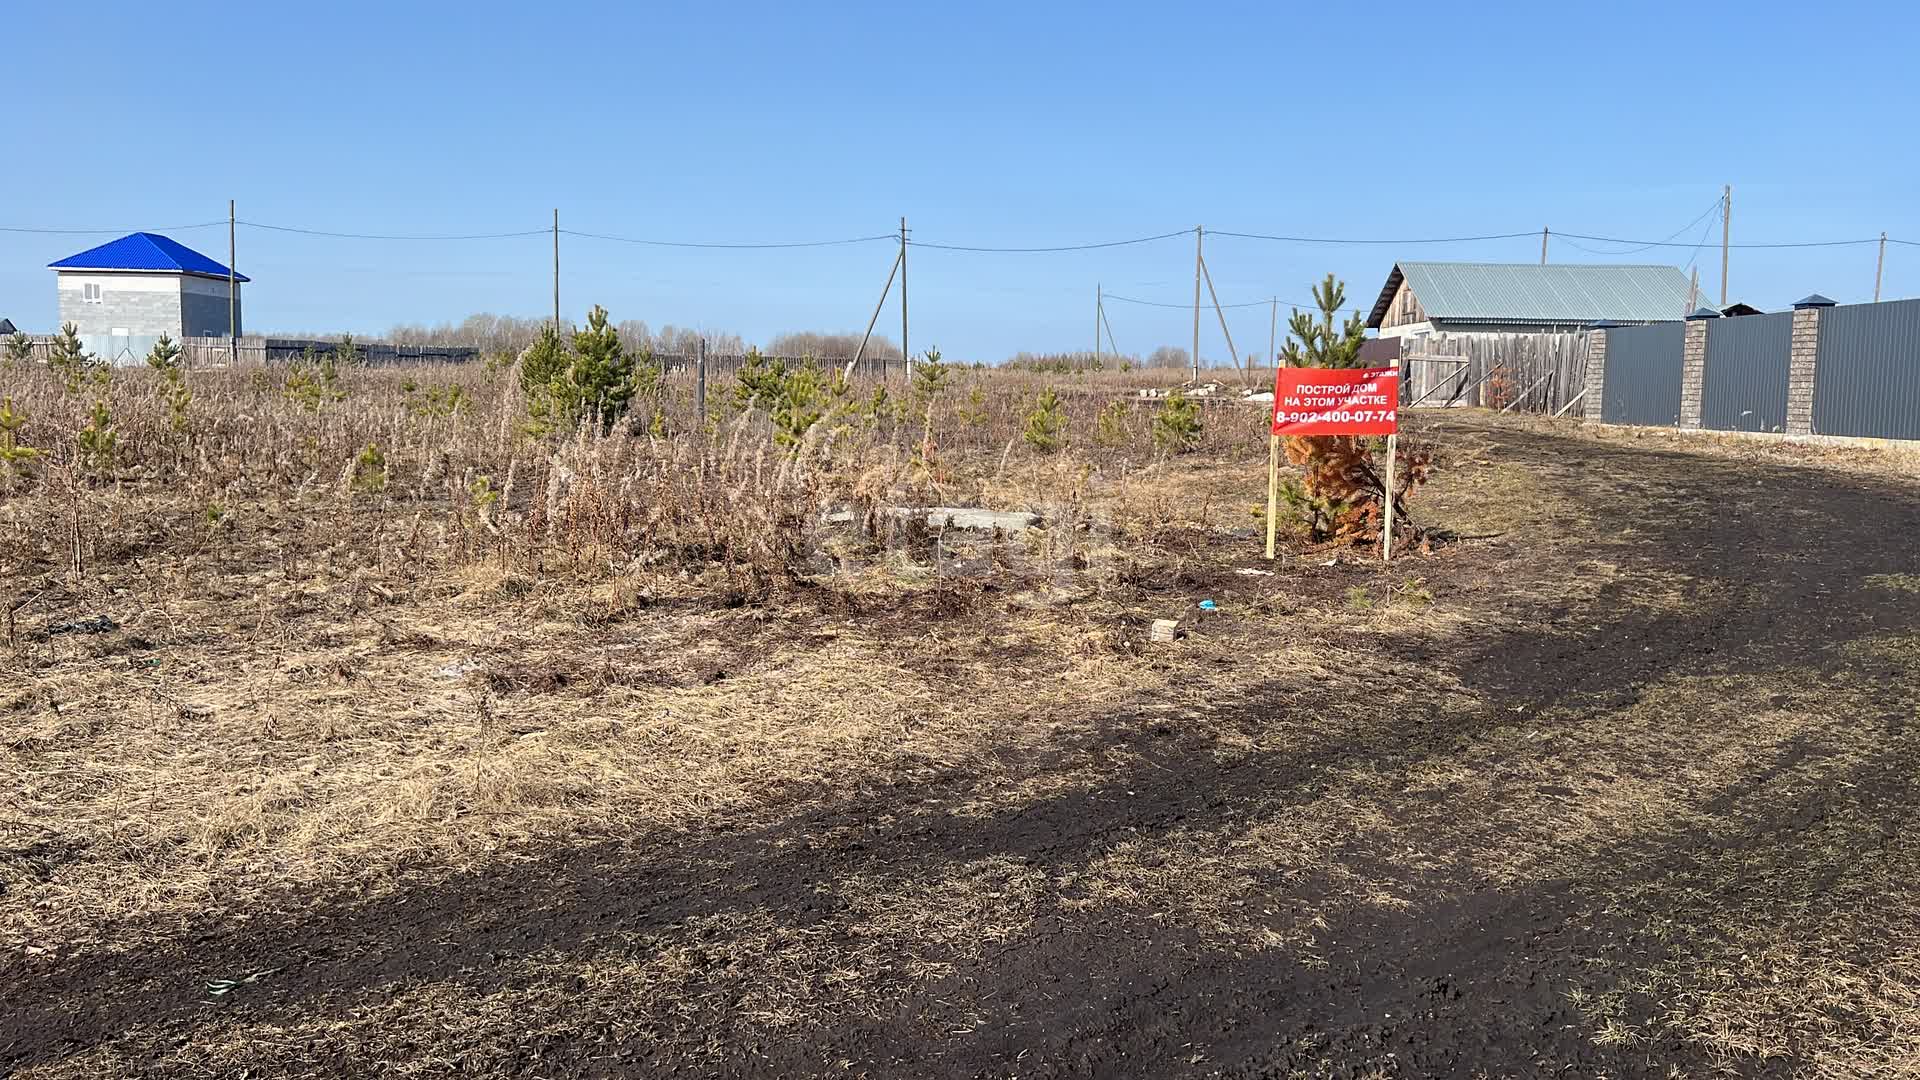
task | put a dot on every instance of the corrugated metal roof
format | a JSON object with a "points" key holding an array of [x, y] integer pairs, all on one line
{"points": [[145, 251], [1534, 293]]}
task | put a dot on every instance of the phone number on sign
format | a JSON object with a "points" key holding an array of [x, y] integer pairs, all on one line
{"points": [[1355, 416]]}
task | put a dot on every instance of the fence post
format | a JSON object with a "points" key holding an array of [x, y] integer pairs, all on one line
{"points": [[700, 384], [1803, 359], [1693, 367], [1596, 382]]}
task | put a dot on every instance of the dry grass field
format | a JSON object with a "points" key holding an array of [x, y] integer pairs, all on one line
{"points": [[479, 755]]}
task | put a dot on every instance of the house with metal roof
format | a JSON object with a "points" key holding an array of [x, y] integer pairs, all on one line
{"points": [[1420, 298], [124, 294]]}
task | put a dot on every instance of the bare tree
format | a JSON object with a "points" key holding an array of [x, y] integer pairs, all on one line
{"points": [[1168, 356], [829, 346], [510, 334]]}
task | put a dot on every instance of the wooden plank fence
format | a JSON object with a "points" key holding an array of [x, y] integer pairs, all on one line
{"points": [[1521, 372]]}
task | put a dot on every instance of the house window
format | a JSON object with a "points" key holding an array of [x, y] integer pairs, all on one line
{"points": [[90, 292]]}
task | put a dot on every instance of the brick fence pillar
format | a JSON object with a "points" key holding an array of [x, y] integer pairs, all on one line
{"points": [[1803, 358], [1596, 384], [1693, 367]]}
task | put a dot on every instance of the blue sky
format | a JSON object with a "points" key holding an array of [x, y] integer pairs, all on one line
{"points": [[985, 124]]}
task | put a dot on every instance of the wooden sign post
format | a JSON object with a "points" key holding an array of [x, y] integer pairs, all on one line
{"points": [[1332, 401], [1273, 487], [1393, 454]]}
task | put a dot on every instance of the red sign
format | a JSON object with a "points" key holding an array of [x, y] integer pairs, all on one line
{"points": [[1336, 401]]}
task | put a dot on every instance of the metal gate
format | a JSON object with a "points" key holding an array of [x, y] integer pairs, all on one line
{"points": [[1643, 375], [1746, 388]]}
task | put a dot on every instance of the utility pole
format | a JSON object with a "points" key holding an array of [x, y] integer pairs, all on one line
{"points": [[906, 361], [1693, 294], [1097, 298], [1879, 267], [1543, 244], [1273, 327], [556, 269], [1726, 237], [233, 294], [1198, 232]]}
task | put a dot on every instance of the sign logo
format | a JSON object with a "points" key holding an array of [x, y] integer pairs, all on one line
{"points": [[1336, 401]]}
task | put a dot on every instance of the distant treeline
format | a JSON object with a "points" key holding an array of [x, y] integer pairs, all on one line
{"points": [[496, 335], [508, 334]]}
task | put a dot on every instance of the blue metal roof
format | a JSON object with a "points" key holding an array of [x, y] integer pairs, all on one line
{"points": [[145, 251], [1575, 293]]}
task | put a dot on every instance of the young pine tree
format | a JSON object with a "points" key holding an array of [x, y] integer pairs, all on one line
{"points": [[1176, 426], [70, 361], [16, 457], [1046, 424], [1320, 342], [165, 359], [600, 383], [98, 443], [19, 349]]}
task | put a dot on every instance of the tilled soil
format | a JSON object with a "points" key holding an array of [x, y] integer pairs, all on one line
{"points": [[1548, 850]]}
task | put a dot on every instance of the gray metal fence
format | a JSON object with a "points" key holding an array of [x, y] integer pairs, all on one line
{"points": [[1746, 377], [1643, 375], [1867, 381]]}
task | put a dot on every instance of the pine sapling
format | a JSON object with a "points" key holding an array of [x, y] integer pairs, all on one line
{"points": [[1176, 427], [1110, 429], [1046, 423], [16, 457], [19, 350], [370, 471], [71, 363], [166, 359], [98, 442]]}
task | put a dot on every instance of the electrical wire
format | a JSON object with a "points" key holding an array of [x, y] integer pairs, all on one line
{"points": [[384, 236], [1701, 243], [1183, 307], [1669, 243], [1332, 240], [1632, 244], [729, 246], [103, 232], [1063, 247], [1711, 208], [1229, 307]]}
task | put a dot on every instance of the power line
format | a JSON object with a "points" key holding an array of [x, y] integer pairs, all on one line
{"points": [[1711, 208], [1633, 244], [385, 236], [1182, 307], [752, 246], [1681, 244], [104, 232], [1063, 247], [1247, 304], [1704, 234], [1333, 240]]}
